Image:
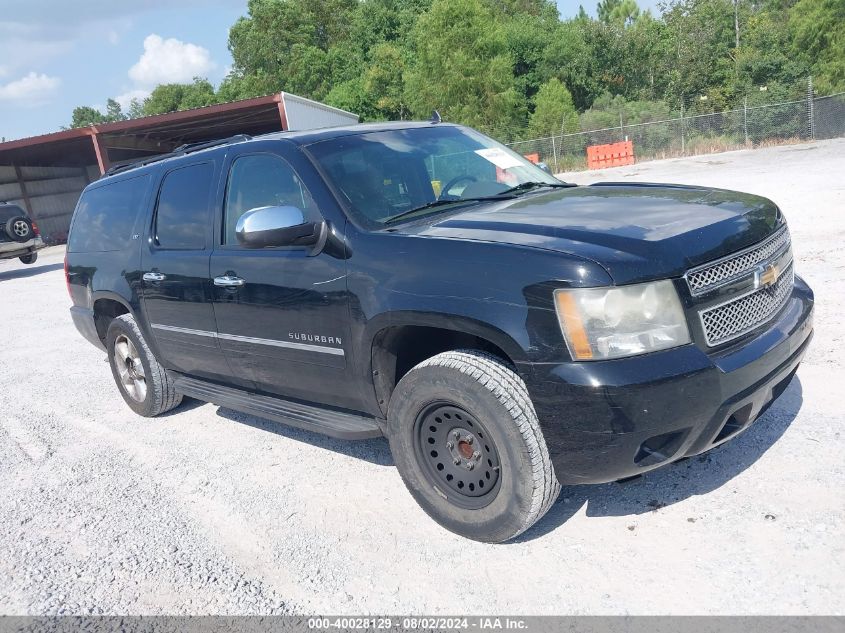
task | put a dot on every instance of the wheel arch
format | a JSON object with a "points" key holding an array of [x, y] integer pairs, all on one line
{"points": [[403, 341], [107, 306]]}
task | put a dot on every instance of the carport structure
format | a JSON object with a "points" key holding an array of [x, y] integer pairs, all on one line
{"points": [[46, 174]]}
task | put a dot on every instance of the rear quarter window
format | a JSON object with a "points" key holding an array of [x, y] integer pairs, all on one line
{"points": [[106, 215]]}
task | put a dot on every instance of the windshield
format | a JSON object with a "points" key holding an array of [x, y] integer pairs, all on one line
{"points": [[383, 175]]}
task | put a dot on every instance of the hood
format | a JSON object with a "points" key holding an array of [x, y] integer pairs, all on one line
{"points": [[637, 232]]}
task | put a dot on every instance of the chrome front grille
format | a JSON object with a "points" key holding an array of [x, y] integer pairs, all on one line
{"points": [[715, 274], [730, 320]]}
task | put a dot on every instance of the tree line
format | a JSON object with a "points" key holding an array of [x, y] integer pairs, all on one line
{"points": [[513, 68]]}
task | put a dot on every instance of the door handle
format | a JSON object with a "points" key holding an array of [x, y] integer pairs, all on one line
{"points": [[229, 281], [154, 277]]}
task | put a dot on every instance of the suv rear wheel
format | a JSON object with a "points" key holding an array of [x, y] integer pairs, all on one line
{"points": [[19, 229], [467, 443], [144, 384]]}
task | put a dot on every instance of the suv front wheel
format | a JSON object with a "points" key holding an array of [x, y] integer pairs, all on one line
{"points": [[144, 384], [466, 440]]}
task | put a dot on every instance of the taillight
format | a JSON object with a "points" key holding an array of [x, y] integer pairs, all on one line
{"points": [[67, 278], [35, 228]]}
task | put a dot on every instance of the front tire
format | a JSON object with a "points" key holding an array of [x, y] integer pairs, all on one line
{"points": [[467, 443], [142, 381]]}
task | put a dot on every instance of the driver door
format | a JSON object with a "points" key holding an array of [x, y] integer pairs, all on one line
{"points": [[284, 322]]}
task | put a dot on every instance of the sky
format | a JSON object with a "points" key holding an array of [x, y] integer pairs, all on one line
{"points": [[58, 54]]}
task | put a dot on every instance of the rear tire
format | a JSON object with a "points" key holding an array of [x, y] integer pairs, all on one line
{"points": [[19, 229], [467, 443], [142, 381], [29, 259]]}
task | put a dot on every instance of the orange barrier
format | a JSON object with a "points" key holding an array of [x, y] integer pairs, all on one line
{"points": [[612, 155], [534, 158]]}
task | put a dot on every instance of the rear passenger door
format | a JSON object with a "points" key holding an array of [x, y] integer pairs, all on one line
{"points": [[176, 288]]}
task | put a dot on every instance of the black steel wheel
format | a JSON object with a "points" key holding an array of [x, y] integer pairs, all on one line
{"points": [[469, 447], [457, 453]]}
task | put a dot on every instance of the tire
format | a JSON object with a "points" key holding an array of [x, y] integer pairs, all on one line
{"points": [[29, 259], [19, 229], [476, 399], [158, 395]]}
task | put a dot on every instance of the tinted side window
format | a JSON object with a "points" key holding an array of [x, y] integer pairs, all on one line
{"points": [[182, 214], [106, 216], [262, 180]]}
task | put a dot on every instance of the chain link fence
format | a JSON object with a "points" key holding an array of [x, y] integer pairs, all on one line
{"points": [[746, 127]]}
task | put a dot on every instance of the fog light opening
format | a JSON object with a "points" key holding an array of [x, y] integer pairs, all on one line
{"points": [[659, 448]]}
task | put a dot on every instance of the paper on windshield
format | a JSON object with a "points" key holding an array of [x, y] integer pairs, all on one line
{"points": [[499, 158]]}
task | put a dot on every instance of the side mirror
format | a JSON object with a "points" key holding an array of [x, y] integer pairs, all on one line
{"points": [[277, 226]]}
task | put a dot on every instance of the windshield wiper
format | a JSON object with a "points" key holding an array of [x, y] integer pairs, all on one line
{"points": [[441, 203], [507, 194], [527, 186]]}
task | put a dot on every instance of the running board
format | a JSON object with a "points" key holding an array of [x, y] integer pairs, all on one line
{"points": [[345, 426]]}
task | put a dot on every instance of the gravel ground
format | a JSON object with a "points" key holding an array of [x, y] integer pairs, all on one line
{"points": [[211, 511]]}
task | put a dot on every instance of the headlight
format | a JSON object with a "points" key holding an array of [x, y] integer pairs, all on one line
{"points": [[600, 323]]}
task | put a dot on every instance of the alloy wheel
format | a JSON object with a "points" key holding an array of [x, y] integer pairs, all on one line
{"points": [[130, 368]]}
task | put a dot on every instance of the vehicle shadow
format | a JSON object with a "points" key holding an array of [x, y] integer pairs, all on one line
{"points": [[375, 451], [187, 404], [29, 271], [681, 480]]}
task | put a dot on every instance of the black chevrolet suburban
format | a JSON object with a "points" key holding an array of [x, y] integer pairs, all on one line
{"points": [[507, 332]]}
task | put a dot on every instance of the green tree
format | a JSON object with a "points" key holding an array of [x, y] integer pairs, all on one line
{"points": [[288, 41], [174, 97], [703, 57], [605, 9], [164, 98], [113, 111], [83, 116], [136, 109], [625, 13], [462, 67], [554, 112], [237, 86], [384, 81], [352, 96], [527, 36], [589, 58], [503, 65], [817, 28]]}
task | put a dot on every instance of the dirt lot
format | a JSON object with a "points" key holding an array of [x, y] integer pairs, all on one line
{"points": [[210, 511]]}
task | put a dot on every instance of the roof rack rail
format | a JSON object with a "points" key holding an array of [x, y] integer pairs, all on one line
{"points": [[188, 148]]}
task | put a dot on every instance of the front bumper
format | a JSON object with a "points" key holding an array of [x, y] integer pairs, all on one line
{"points": [[604, 421]]}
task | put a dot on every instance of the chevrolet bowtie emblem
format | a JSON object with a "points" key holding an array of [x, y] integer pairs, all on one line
{"points": [[766, 275]]}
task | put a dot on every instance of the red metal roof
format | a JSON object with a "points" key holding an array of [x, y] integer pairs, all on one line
{"points": [[136, 138]]}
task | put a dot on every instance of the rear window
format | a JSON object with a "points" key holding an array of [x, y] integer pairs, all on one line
{"points": [[105, 216]]}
